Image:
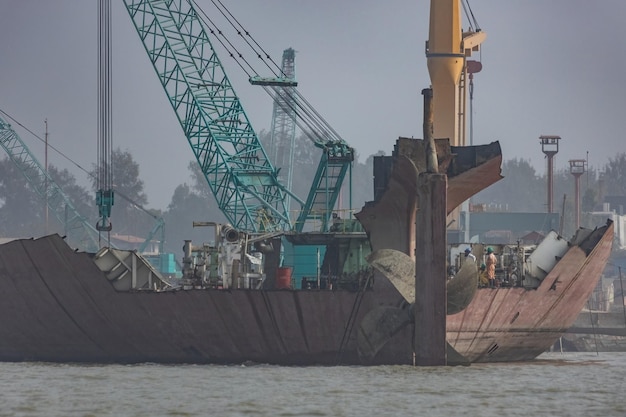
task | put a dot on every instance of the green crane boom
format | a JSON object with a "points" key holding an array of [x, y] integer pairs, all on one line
{"points": [[335, 162], [226, 147], [80, 234]]}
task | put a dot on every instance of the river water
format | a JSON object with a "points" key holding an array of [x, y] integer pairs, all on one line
{"points": [[569, 384]]}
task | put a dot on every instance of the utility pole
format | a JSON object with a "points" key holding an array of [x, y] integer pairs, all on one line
{"points": [[587, 171], [46, 176]]}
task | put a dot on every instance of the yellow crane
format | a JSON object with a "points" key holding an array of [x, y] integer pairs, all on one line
{"points": [[447, 50]]}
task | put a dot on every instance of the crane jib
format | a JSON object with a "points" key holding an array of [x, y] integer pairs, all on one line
{"points": [[180, 50]]}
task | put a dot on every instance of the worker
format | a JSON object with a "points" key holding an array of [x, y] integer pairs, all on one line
{"points": [[336, 226], [491, 267], [469, 256], [483, 281]]}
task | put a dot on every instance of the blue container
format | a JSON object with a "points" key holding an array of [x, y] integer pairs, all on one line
{"points": [[168, 263], [303, 260]]}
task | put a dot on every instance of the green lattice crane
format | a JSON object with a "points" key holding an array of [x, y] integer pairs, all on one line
{"points": [[291, 109], [283, 128], [225, 146], [79, 232]]}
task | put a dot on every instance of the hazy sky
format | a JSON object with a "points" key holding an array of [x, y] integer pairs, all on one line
{"points": [[549, 67]]}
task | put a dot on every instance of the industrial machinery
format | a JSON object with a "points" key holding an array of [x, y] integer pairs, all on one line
{"points": [[223, 263]]}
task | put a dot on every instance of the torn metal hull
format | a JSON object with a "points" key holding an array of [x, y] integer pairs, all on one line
{"points": [[58, 306], [501, 324], [516, 324], [390, 218]]}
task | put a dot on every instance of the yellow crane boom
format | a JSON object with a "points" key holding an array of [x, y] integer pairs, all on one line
{"points": [[446, 51]]}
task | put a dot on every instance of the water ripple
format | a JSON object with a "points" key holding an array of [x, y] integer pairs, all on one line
{"points": [[557, 384]]}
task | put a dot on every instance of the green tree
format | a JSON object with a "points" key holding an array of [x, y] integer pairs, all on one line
{"points": [[126, 176], [22, 212], [589, 200], [186, 207], [21, 209], [521, 189], [202, 202], [563, 198], [190, 203], [199, 184], [615, 175], [362, 182], [82, 200]]}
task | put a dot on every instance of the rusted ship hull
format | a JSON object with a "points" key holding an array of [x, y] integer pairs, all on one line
{"points": [[58, 306], [502, 324], [515, 324]]}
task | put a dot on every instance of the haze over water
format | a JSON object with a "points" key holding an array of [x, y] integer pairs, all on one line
{"points": [[570, 384]]}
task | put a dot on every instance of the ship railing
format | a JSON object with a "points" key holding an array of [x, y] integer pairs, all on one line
{"points": [[341, 221]]}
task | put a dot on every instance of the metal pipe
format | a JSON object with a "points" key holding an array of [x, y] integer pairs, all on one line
{"points": [[432, 165]]}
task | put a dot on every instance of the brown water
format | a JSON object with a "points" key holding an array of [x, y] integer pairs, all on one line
{"points": [[555, 385]]}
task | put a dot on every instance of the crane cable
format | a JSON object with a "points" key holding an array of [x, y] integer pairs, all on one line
{"points": [[104, 193], [235, 53], [261, 53], [43, 141], [309, 110], [214, 29], [105, 109], [312, 123], [470, 16], [70, 160]]}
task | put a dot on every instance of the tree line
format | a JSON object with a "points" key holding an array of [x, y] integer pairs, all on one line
{"points": [[22, 210], [525, 190], [22, 213]]}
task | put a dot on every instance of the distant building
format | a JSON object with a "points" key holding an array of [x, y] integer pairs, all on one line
{"points": [[508, 227], [616, 203]]}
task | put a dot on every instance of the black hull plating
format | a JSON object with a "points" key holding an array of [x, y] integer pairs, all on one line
{"points": [[58, 306]]}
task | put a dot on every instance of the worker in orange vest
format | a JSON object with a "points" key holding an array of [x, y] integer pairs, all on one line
{"points": [[491, 267]]}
